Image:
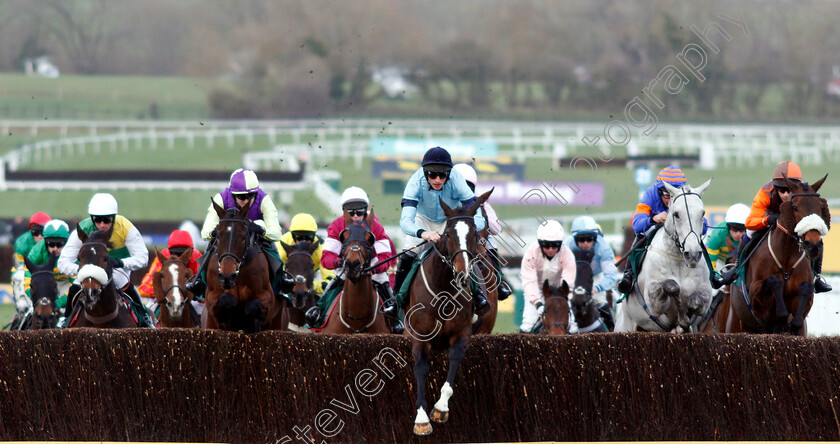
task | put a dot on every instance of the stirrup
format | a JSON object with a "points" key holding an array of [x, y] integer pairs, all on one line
{"points": [[390, 308], [820, 285], [312, 315], [397, 327]]}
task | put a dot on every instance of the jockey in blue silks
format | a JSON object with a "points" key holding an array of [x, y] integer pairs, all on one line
{"points": [[651, 211], [588, 237], [422, 217]]}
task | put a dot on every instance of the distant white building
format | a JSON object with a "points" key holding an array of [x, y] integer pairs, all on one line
{"points": [[394, 81], [41, 66]]}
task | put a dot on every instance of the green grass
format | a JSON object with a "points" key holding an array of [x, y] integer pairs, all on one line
{"points": [[7, 311]]}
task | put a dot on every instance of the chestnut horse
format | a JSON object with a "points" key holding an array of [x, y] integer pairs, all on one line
{"points": [[357, 309], [104, 306], [239, 293], [778, 279], [441, 309], [555, 317], [174, 300], [44, 291], [301, 268]]}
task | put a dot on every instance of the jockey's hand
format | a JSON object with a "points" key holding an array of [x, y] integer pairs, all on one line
{"points": [[772, 219], [430, 236], [339, 262], [660, 218], [540, 308], [115, 263], [254, 227]]}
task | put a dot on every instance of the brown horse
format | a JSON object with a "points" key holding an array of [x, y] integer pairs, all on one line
{"points": [[301, 268], [174, 300], [555, 318], [357, 309], [239, 293], [43, 290], [440, 316], [485, 323], [104, 306], [779, 279]]}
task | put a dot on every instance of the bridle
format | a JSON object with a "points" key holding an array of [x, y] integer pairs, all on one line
{"points": [[449, 261], [300, 279], [175, 285], [361, 245], [44, 300], [565, 325], [249, 252], [675, 236]]}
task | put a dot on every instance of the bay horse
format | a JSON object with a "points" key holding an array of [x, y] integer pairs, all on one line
{"points": [[301, 268], [587, 317], [486, 322], [555, 317], [169, 285], [778, 279], [673, 289], [239, 294], [44, 291], [357, 308], [441, 308], [104, 306]]}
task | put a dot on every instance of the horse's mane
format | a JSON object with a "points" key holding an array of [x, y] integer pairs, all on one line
{"points": [[101, 237], [583, 276]]}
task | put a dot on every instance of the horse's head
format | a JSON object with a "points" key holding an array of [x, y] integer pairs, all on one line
{"points": [[459, 241], [555, 318], [806, 215], [301, 268], [357, 247], [233, 241], [684, 223], [170, 282], [582, 293], [44, 291], [95, 271]]}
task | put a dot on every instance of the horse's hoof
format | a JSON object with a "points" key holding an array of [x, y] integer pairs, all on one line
{"points": [[423, 429], [439, 416]]}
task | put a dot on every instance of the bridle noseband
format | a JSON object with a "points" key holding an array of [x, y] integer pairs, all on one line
{"points": [[450, 261], [300, 279], [675, 236], [175, 285], [249, 252]]}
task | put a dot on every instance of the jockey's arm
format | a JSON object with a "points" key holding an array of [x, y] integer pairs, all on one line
{"points": [[273, 232], [329, 253], [609, 272], [146, 288], [212, 218], [642, 219], [138, 254], [409, 211], [465, 195], [568, 265], [528, 276], [494, 227], [69, 254], [758, 217]]}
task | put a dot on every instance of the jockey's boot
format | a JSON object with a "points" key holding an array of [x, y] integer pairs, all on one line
{"points": [[286, 283], [626, 284], [72, 299], [480, 302], [312, 315], [144, 319], [504, 290], [384, 291], [391, 307], [820, 285], [726, 278], [196, 286], [606, 313]]}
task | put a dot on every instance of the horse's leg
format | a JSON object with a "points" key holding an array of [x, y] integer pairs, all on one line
{"points": [[253, 311], [420, 351], [224, 309], [697, 303], [660, 294], [456, 354], [806, 291], [774, 284]]}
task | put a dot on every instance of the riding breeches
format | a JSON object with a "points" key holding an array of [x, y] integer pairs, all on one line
{"points": [[426, 224], [121, 277]]}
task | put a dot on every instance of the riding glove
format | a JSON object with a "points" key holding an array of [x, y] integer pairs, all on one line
{"points": [[254, 227], [772, 219], [115, 263], [540, 308]]}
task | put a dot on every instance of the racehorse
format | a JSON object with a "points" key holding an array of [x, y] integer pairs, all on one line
{"points": [[673, 288], [357, 308], [300, 267], [174, 300], [486, 322], [555, 318], [440, 313], [239, 294], [778, 278], [44, 291], [104, 306], [587, 318]]}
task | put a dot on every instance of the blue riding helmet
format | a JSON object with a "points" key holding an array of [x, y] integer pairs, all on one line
{"points": [[437, 159]]}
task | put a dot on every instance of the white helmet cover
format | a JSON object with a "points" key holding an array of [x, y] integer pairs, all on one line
{"points": [[102, 204], [551, 231]]}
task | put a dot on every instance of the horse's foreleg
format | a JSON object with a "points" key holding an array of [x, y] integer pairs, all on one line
{"points": [[774, 284], [668, 289], [806, 291], [456, 354], [698, 303], [254, 316], [420, 351]]}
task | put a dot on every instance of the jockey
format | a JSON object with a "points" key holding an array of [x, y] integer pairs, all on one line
{"points": [[244, 187], [546, 259], [127, 253], [493, 227], [27, 240], [302, 229], [651, 211], [722, 243], [422, 217], [586, 236], [355, 204], [179, 242], [765, 212], [55, 236]]}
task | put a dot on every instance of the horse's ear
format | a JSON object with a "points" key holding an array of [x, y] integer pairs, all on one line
{"points": [[186, 255], [157, 286], [371, 239], [564, 288], [790, 184], [446, 210], [816, 186], [369, 218], [825, 213], [483, 198], [53, 260], [29, 265], [312, 247], [243, 213], [286, 247], [159, 255], [219, 210], [546, 289], [672, 190], [702, 188], [342, 237], [347, 219], [81, 233]]}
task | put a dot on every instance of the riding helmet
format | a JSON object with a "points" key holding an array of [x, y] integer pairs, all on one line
{"points": [[468, 172], [551, 231], [584, 225], [671, 174], [244, 181], [303, 222], [102, 204], [180, 238], [354, 198], [39, 218], [786, 169], [56, 229], [437, 159]]}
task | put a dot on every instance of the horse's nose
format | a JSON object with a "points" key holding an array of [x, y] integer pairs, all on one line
{"points": [[693, 257]]}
